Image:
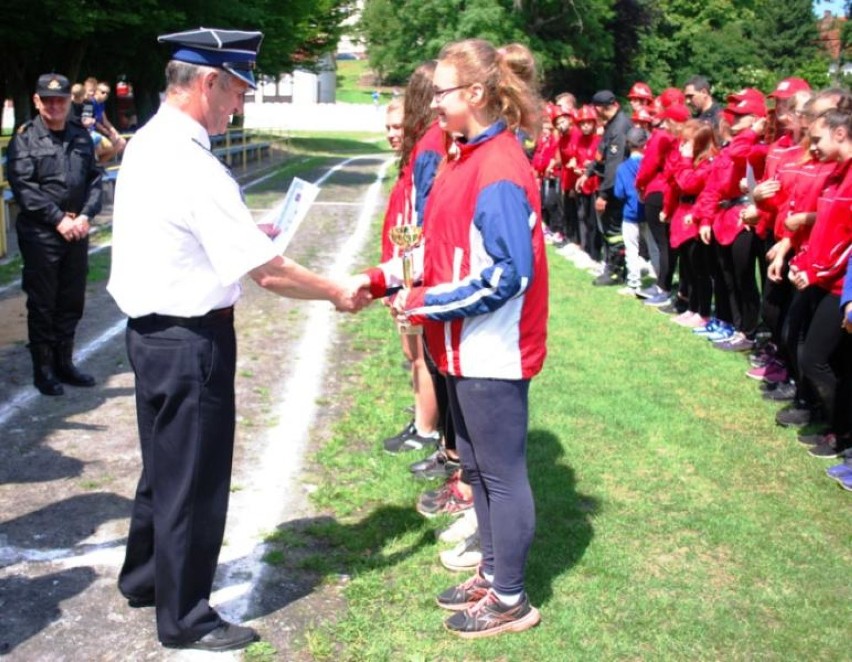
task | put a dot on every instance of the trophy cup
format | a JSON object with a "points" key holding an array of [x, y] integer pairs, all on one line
{"points": [[406, 237]]}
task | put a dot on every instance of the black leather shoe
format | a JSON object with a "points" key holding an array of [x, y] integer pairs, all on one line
{"points": [[140, 603], [226, 637]]}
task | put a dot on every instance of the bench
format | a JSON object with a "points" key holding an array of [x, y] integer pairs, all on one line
{"points": [[253, 151]]}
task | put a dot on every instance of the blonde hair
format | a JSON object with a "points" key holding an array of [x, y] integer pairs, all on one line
{"points": [[394, 105], [508, 77]]}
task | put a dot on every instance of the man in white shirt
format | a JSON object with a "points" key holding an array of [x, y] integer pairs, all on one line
{"points": [[182, 239]]}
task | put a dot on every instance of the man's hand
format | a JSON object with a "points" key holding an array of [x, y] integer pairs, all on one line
{"points": [[354, 294], [73, 228], [600, 205]]}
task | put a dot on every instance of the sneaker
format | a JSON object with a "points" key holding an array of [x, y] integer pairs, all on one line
{"points": [[463, 557], [628, 291], [795, 415], [683, 317], [437, 465], [649, 292], [814, 439], [410, 440], [461, 528], [838, 470], [464, 595], [668, 309], [451, 502], [490, 617], [444, 490], [658, 300], [737, 343], [759, 372], [722, 334], [781, 393], [832, 446], [777, 374], [845, 481], [764, 355], [712, 326], [607, 278]]}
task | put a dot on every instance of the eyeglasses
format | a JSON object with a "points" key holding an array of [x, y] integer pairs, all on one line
{"points": [[439, 95]]}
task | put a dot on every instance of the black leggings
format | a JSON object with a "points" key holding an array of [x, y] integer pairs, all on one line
{"points": [[491, 417], [695, 261], [822, 349], [660, 232], [737, 265]]}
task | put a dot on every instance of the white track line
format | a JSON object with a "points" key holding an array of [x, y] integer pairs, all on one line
{"points": [[263, 505]]}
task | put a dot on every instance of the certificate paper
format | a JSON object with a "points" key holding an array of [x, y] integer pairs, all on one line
{"points": [[300, 197]]}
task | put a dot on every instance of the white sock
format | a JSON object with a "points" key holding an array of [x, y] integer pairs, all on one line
{"points": [[431, 435], [509, 600]]}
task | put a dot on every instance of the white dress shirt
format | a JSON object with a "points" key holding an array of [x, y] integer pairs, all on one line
{"points": [[182, 235]]}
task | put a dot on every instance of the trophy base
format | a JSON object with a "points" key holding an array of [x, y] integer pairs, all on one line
{"points": [[410, 330]]}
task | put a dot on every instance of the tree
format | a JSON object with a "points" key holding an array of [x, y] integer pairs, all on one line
{"points": [[111, 38]]}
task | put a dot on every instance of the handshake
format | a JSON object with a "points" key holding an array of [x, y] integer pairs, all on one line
{"points": [[353, 294]]}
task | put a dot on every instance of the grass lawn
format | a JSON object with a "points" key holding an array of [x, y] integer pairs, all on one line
{"points": [[675, 520], [350, 88]]}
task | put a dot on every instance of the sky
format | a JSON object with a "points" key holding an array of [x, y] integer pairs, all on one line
{"points": [[836, 6]]}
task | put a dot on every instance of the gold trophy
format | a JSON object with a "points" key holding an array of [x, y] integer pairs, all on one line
{"points": [[406, 237]]}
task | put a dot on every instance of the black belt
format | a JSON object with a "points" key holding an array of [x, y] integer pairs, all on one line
{"points": [[688, 199], [217, 316], [733, 202]]}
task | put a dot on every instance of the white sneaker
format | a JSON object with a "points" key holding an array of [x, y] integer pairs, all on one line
{"points": [[464, 527], [464, 556]]}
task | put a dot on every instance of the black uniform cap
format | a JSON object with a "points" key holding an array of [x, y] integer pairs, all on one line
{"points": [[235, 51]]}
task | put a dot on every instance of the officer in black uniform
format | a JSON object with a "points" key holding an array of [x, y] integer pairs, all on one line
{"points": [[611, 152], [57, 185]]}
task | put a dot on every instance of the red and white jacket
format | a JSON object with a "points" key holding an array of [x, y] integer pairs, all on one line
{"points": [[827, 252], [483, 295], [399, 211]]}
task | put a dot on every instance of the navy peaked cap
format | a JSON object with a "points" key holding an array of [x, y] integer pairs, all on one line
{"points": [[235, 51]]}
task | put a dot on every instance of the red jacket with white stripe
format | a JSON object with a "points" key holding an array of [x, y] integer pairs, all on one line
{"points": [[483, 295], [398, 212], [826, 254]]}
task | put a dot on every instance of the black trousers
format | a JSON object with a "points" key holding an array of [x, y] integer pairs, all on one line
{"points": [[610, 224], [695, 262], [660, 232], [587, 220], [186, 416], [737, 264], [822, 347], [54, 280], [572, 221]]}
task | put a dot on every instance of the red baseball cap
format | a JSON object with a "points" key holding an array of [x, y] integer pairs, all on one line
{"points": [[557, 111], [642, 115], [747, 106], [671, 96], [640, 90], [677, 112], [789, 86], [750, 93]]}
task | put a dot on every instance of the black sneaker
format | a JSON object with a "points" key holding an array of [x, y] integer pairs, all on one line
{"points": [[795, 415], [607, 278], [437, 465], [781, 392], [409, 440], [668, 309], [490, 617], [831, 446], [465, 594]]}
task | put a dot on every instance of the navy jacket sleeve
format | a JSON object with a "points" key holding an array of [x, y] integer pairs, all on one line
{"points": [[425, 168], [502, 217]]}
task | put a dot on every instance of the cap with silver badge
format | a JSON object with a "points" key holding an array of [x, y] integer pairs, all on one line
{"points": [[53, 85], [235, 51]]}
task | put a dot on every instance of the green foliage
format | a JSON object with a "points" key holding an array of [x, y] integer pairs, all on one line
{"points": [[109, 38]]}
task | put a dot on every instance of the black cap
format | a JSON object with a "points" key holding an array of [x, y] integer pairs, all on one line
{"points": [[235, 51], [603, 98], [53, 85]]}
